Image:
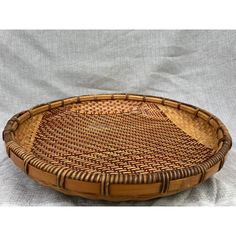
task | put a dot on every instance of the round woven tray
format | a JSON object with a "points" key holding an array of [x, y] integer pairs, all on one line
{"points": [[117, 146]]}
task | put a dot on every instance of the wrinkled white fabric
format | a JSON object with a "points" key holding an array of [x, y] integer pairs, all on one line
{"points": [[197, 67]]}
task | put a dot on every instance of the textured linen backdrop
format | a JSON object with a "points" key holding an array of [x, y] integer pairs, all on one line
{"points": [[197, 67]]}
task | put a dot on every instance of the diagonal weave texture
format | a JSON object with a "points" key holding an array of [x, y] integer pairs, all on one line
{"points": [[114, 137]]}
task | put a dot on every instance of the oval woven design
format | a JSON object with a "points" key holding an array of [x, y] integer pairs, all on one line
{"points": [[117, 147]]}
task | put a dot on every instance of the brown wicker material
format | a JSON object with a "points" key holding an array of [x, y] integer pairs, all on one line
{"points": [[117, 146]]}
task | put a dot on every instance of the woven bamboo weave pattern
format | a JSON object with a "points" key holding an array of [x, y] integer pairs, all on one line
{"points": [[118, 140], [112, 141], [26, 133], [194, 126]]}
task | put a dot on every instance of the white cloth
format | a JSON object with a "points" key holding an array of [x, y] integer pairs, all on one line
{"points": [[197, 67]]}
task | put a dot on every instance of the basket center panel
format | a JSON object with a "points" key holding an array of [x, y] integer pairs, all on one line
{"points": [[115, 136]]}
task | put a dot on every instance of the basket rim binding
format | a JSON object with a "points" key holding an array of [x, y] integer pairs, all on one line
{"points": [[224, 142]]}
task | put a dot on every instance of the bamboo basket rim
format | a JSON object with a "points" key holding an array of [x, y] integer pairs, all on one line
{"points": [[224, 141]]}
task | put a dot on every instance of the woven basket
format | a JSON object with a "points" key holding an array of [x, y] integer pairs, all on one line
{"points": [[117, 147]]}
